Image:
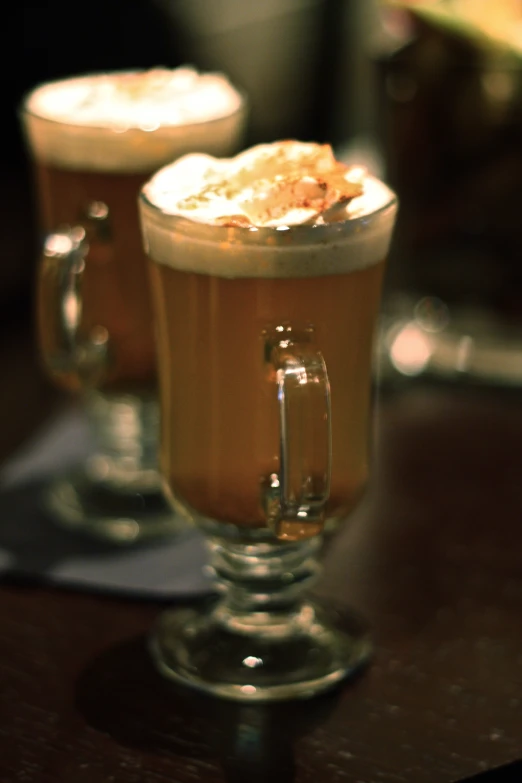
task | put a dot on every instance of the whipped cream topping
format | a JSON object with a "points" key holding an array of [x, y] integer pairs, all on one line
{"points": [[137, 99], [280, 210], [285, 183]]}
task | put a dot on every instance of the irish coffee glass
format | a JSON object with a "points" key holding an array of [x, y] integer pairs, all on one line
{"points": [[94, 314], [265, 356]]}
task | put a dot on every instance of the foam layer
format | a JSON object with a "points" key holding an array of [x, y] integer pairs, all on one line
{"points": [[132, 121], [139, 99], [346, 234]]}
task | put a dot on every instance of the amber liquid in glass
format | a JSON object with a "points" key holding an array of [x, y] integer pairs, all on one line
{"points": [[115, 285], [218, 392]]}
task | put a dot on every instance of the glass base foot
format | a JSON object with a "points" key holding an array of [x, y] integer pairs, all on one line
{"points": [[260, 657], [122, 517]]}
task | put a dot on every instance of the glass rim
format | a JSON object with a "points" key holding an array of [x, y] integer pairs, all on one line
{"points": [[317, 233]]}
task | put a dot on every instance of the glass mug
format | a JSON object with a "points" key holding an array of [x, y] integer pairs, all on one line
{"points": [[265, 355], [94, 313]]}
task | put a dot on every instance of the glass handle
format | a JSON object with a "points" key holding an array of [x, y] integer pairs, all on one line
{"points": [[296, 497], [72, 360]]}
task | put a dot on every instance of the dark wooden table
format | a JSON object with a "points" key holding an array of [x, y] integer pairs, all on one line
{"points": [[434, 559]]}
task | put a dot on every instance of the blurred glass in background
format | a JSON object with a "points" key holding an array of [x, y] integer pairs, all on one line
{"points": [[451, 133], [44, 41]]}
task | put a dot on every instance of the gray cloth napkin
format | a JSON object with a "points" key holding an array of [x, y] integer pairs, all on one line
{"points": [[33, 546]]}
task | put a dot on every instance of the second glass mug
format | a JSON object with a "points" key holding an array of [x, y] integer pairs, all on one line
{"points": [[94, 314], [265, 355]]}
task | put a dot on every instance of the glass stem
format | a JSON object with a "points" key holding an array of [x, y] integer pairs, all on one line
{"points": [[263, 584], [125, 432]]}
